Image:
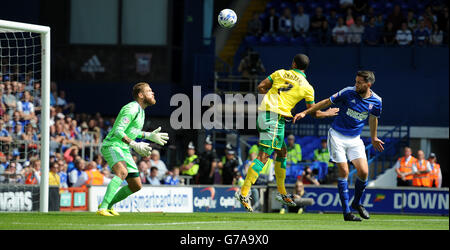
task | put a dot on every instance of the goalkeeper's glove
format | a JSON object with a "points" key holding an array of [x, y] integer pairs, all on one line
{"points": [[156, 136], [142, 148]]}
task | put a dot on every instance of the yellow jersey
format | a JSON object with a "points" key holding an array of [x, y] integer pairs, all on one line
{"points": [[288, 88]]}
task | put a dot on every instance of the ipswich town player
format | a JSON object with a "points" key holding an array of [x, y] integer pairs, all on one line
{"points": [[356, 105], [116, 147]]}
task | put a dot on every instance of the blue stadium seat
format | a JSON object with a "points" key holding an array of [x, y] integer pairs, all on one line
{"points": [[281, 40], [297, 41], [251, 40], [266, 40], [310, 40]]}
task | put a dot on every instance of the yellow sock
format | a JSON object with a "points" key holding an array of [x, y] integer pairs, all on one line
{"points": [[280, 174], [250, 179]]}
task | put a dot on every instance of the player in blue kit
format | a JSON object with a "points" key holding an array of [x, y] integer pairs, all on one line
{"points": [[356, 104]]}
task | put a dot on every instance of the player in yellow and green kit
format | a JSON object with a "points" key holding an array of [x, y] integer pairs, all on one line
{"points": [[116, 147], [283, 90]]}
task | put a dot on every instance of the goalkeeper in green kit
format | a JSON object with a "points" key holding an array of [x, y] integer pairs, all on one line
{"points": [[116, 147]]}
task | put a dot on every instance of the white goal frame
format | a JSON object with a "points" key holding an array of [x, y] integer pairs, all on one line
{"points": [[44, 31]]}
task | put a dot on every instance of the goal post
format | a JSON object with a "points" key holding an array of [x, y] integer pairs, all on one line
{"points": [[44, 31]]}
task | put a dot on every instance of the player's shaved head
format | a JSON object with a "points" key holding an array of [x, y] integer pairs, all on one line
{"points": [[301, 61], [137, 88]]}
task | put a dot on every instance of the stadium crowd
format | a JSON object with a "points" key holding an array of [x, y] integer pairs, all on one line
{"points": [[75, 159], [351, 22]]}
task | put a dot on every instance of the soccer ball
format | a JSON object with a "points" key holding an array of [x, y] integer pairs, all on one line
{"points": [[227, 18]]}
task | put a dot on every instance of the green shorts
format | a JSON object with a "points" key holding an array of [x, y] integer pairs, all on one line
{"points": [[271, 131], [114, 155]]}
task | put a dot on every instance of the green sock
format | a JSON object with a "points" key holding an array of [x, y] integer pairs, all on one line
{"points": [[123, 193], [111, 191]]}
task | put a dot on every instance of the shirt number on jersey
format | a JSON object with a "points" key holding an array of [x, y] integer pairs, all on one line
{"points": [[287, 88]]}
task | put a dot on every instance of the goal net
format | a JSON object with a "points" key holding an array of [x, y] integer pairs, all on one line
{"points": [[24, 109]]}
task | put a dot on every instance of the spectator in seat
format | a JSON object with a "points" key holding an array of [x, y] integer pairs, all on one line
{"points": [[153, 178], [371, 34], [389, 34], [403, 35], [76, 172], [356, 31], [294, 151], [411, 20], [155, 161], [379, 23], [349, 19], [62, 173], [144, 171], [332, 19], [405, 167], [435, 174], [2, 105], [255, 26], [340, 32], [285, 23], [53, 177], [428, 17], [90, 176], [421, 34], [396, 17], [301, 22], [301, 202], [26, 107], [317, 25], [174, 177], [69, 156], [422, 176], [308, 177], [61, 102], [5, 137], [9, 99], [3, 163], [437, 36], [33, 174], [271, 23]]}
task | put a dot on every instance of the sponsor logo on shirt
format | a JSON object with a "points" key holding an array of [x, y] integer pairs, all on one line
{"points": [[358, 116]]}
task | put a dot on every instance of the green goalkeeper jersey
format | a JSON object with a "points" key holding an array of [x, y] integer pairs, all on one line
{"points": [[129, 122]]}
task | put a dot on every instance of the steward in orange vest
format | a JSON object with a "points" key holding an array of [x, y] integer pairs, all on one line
{"points": [[94, 177], [422, 177], [405, 167], [435, 174]]}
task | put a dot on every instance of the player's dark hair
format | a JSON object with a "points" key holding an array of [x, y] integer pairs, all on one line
{"points": [[137, 88], [367, 75], [301, 61]]}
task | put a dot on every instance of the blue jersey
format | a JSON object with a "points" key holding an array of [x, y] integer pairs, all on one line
{"points": [[354, 110]]}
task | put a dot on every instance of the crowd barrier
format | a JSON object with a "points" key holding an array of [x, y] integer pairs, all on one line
{"points": [[220, 198], [394, 200], [25, 198]]}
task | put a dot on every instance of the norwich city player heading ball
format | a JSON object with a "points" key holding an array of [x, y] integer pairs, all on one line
{"points": [[116, 147]]}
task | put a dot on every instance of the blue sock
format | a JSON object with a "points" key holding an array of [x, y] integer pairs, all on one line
{"points": [[360, 186], [343, 194]]}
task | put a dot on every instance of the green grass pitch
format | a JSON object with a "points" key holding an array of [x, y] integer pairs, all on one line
{"points": [[215, 221]]}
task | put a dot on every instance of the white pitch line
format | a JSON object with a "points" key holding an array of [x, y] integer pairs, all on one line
{"points": [[221, 222]]}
